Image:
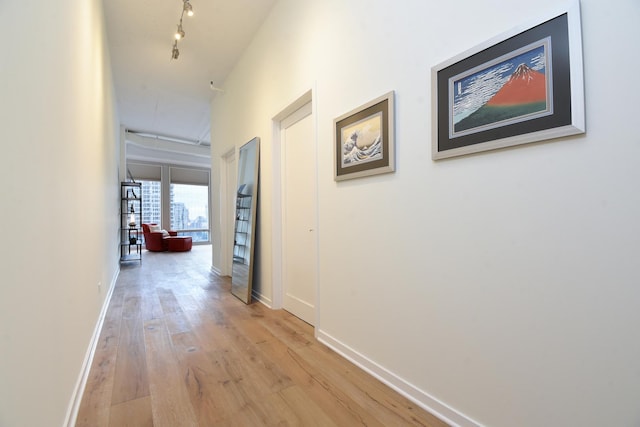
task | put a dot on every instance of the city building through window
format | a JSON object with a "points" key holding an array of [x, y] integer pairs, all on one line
{"points": [[190, 211]]}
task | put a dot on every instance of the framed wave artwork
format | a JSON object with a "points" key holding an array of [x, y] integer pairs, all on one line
{"points": [[364, 140]]}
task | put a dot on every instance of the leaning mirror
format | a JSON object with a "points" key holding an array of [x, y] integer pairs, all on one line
{"points": [[245, 222]]}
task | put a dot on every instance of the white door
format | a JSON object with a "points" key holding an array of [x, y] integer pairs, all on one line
{"points": [[299, 248]]}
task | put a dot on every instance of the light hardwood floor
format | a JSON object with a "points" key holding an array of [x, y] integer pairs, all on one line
{"points": [[177, 349]]}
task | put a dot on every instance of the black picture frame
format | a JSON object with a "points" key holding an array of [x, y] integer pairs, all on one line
{"points": [[522, 86]]}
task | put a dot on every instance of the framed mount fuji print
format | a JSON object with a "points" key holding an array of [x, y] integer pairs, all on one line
{"points": [[523, 86]]}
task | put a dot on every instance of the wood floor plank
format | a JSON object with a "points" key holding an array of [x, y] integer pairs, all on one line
{"points": [[131, 380], [168, 300], [243, 349], [133, 413], [341, 407], [274, 411], [131, 307], [204, 379], [240, 358], [169, 397], [177, 322], [294, 333], [367, 392], [308, 412], [150, 306], [188, 302]]}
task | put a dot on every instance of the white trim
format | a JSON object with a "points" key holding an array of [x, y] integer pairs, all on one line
{"points": [[215, 270], [258, 296], [408, 390], [276, 217], [302, 308], [302, 107], [296, 116], [577, 66], [78, 392], [276, 223]]}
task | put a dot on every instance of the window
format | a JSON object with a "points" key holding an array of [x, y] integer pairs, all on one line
{"points": [[151, 202], [175, 197], [190, 210]]}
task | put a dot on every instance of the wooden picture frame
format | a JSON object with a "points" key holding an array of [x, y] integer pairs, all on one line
{"points": [[522, 86], [364, 139]]}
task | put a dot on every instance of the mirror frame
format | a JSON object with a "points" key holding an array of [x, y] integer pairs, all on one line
{"points": [[245, 223]]}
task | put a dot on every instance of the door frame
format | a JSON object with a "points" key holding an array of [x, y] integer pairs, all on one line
{"points": [[278, 199]]}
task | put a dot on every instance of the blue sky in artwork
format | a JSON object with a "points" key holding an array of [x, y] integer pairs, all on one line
{"points": [[473, 91]]}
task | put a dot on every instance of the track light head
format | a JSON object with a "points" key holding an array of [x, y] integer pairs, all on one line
{"points": [[175, 52], [188, 8], [180, 32]]}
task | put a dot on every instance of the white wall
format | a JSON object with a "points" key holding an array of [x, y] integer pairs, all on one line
{"points": [[504, 284], [59, 202]]}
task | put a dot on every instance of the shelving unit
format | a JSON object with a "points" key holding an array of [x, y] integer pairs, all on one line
{"points": [[241, 230], [130, 220]]}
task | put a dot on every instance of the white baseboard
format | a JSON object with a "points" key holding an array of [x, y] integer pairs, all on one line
{"points": [[261, 299], [215, 270], [408, 390], [76, 398]]}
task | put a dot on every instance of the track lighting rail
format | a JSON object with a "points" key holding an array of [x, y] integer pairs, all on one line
{"points": [[179, 34]]}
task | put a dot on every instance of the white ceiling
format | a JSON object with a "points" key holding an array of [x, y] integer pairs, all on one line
{"points": [[171, 98]]}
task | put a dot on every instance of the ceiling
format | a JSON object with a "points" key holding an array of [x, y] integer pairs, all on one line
{"points": [[169, 98]]}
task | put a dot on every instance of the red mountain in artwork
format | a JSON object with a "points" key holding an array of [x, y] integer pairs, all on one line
{"points": [[523, 87]]}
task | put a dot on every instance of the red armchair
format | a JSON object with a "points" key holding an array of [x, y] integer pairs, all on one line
{"points": [[155, 241]]}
